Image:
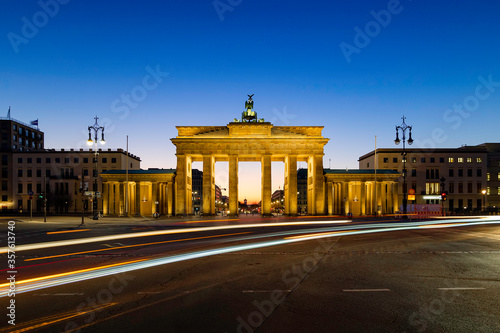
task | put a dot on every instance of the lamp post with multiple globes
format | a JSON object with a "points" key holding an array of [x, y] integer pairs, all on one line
{"points": [[403, 127], [96, 128]]}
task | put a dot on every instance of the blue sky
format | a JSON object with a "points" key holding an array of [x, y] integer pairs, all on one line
{"points": [[63, 62]]}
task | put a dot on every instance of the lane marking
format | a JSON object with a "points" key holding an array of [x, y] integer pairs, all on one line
{"points": [[364, 290]]}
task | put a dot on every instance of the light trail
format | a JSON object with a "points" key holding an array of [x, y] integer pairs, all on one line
{"points": [[135, 245], [77, 276], [66, 231], [45, 245]]}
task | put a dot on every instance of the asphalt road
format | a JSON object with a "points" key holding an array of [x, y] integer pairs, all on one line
{"points": [[421, 280]]}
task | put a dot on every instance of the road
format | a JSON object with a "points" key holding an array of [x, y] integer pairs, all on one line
{"points": [[255, 275]]}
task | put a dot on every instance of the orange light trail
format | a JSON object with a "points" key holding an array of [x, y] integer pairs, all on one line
{"points": [[70, 273], [65, 231]]}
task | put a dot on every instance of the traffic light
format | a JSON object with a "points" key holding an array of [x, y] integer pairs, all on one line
{"points": [[443, 196], [40, 196]]}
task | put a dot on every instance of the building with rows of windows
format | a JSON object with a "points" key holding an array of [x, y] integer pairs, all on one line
{"points": [[30, 173], [470, 174]]}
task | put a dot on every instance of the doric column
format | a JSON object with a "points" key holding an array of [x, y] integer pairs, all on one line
{"points": [[351, 189], [345, 197], [291, 185], [138, 198], [121, 198], [105, 200], [390, 201], [330, 199], [183, 185], [378, 207], [362, 199], [395, 196], [170, 197], [208, 185], [154, 196], [316, 184], [265, 185], [233, 185], [383, 194]]}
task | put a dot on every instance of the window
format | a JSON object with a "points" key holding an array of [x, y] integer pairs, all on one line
{"points": [[85, 172], [450, 159], [113, 160], [20, 188], [469, 172], [4, 198], [451, 187], [38, 160], [30, 173], [469, 187], [30, 187], [441, 160], [488, 190], [433, 160], [66, 160], [479, 188], [479, 173], [460, 187], [104, 160], [422, 160], [76, 160], [47, 172], [30, 160], [85, 160], [367, 165], [488, 176], [414, 172], [19, 160], [450, 173], [478, 160], [498, 190], [39, 173], [432, 188], [460, 172], [58, 160], [460, 160], [469, 159], [386, 160], [20, 172], [497, 176], [94, 173], [413, 160], [4, 185], [47, 160]]}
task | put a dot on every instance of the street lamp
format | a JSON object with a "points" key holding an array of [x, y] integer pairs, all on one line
{"points": [[403, 127], [96, 128]]}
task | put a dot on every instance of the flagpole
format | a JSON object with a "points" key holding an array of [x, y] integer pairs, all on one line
{"points": [[376, 201], [126, 183]]}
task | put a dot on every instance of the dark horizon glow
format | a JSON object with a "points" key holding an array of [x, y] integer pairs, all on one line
{"points": [[354, 67]]}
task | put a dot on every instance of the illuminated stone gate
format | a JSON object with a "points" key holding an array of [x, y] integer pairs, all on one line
{"points": [[247, 140]]}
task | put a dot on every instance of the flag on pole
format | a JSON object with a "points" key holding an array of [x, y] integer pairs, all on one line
{"points": [[8, 113], [34, 122]]}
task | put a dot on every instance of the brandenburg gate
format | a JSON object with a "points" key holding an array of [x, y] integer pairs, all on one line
{"points": [[250, 139]]}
